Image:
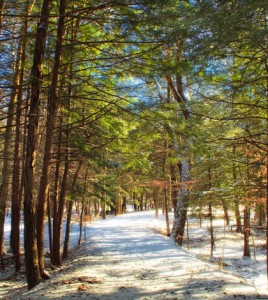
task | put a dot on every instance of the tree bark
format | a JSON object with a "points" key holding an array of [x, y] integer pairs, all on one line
{"points": [[246, 231], [7, 154], [53, 105], [236, 200], [174, 188], [211, 229], [58, 214], [225, 211], [184, 167], [69, 213], [30, 236], [156, 202], [83, 207], [16, 194], [182, 204]]}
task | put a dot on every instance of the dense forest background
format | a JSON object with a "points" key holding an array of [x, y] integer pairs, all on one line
{"points": [[159, 104]]}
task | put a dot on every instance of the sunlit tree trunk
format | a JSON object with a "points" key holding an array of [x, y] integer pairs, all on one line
{"points": [[7, 151], [59, 212], [69, 212], [156, 202], [83, 207], [246, 231], [184, 167], [30, 236], [182, 204], [236, 200], [59, 200], [174, 188], [16, 194], [225, 211], [210, 212], [53, 105]]}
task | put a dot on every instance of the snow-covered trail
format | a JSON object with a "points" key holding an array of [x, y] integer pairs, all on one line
{"points": [[125, 259]]}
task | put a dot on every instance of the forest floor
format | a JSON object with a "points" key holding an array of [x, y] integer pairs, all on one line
{"points": [[129, 257]]}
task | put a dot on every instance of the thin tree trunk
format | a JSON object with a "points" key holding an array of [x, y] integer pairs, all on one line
{"points": [[174, 190], [69, 213], [59, 206], [141, 205], [97, 208], [30, 236], [167, 198], [81, 221], [167, 188], [15, 196], [224, 204], [83, 207], [236, 200], [59, 209], [182, 204], [212, 240], [225, 211], [184, 166], [7, 151], [49, 220], [211, 229], [156, 203], [16, 182], [246, 231], [53, 106], [55, 255]]}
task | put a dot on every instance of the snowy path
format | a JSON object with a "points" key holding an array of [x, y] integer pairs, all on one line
{"points": [[125, 259]]}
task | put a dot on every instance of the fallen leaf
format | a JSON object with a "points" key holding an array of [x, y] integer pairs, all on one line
{"points": [[90, 280], [83, 287]]}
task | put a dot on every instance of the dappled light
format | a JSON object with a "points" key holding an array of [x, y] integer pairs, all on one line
{"points": [[133, 149]]}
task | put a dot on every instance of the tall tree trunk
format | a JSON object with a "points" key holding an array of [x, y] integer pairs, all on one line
{"points": [[97, 208], [184, 166], [49, 220], [15, 195], [236, 200], [225, 211], [167, 188], [211, 229], [58, 213], [16, 182], [246, 231], [141, 203], [30, 236], [69, 213], [167, 198], [210, 212], [83, 207], [224, 203], [81, 221], [53, 105], [103, 207], [156, 202], [174, 188], [7, 151], [182, 204]]}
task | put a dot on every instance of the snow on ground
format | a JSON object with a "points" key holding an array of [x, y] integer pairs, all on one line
{"points": [[229, 251], [126, 257]]}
